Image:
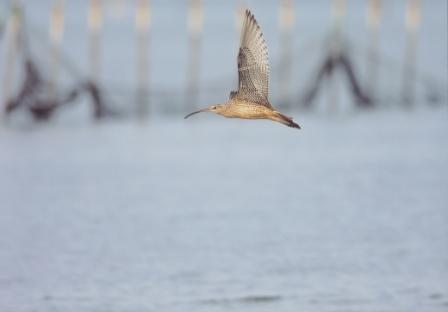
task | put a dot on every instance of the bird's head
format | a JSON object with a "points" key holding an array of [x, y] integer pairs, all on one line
{"points": [[216, 108]]}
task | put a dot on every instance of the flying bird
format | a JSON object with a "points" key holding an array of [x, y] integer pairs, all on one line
{"points": [[250, 101]]}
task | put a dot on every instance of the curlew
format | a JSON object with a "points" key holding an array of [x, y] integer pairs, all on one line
{"points": [[250, 101]]}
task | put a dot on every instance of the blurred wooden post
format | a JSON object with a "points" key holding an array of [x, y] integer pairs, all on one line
{"points": [[373, 24], [14, 25], [195, 21], [95, 24], [338, 16], [142, 24], [238, 20], [337, 57], [410, 57], [286, 21], [56, 32]]}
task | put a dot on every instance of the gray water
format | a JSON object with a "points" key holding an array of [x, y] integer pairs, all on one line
{"points": [[208, 214]]}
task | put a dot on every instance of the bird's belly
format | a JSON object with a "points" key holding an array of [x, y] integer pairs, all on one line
{"points": [[247, 112]]}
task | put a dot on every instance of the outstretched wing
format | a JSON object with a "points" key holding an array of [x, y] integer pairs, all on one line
{"points": [[253, 64]]}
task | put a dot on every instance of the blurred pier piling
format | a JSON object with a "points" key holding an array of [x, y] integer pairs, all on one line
{"points": [[195, 24], [339, 12], [238, 22], [373, 20], [56, 32], [36, 75], [337, 58], [142, 25], [286, 23], [12, 47], [412, 23], [95, 21]]}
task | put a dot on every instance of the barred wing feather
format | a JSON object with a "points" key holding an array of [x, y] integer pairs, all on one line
{"points": [[253, 64]]}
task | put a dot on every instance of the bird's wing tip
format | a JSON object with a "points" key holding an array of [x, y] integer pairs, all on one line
{"points": [[249, 14]]}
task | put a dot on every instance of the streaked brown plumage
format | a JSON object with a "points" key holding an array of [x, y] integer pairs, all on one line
{"points": [[250, 101]]}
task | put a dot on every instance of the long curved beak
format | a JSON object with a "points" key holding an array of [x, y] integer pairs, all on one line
{"points": [[199, 111]]}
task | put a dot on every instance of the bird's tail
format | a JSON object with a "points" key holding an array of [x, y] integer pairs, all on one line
{"points": [[286, 120]]}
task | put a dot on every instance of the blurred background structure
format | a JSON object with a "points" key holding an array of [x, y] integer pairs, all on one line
{"points": [[87, 46], [142, 210]]}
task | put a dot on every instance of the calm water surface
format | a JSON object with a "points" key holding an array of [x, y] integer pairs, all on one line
{"points": [[209, 214]]}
